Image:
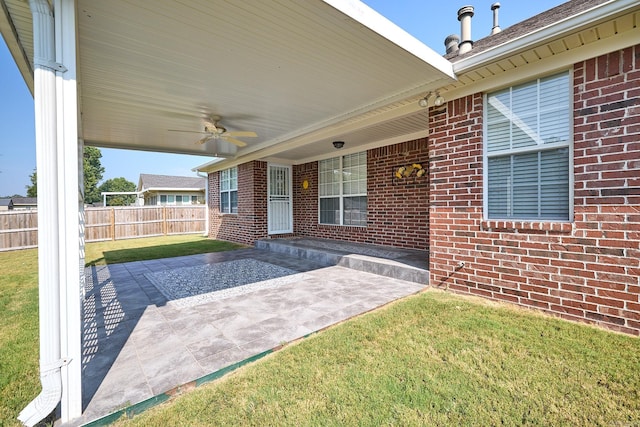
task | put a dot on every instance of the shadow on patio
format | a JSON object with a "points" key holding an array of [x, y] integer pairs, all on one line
{"points": [[141, 341]]}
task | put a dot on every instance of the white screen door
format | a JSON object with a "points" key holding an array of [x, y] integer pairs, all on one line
{"points": [[280, 207]]}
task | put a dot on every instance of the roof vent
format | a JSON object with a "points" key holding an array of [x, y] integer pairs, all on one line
{"points": [[451, 43], [464, 16], [496, 28]]}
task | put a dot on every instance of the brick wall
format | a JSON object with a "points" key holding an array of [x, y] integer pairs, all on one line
{"points": [[250, 223], [397, 209], [586, 270]]}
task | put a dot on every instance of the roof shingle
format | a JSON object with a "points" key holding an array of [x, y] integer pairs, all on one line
{"points": [[527, 26], [168, 181]]}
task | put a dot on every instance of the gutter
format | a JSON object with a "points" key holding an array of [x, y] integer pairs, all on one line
{"points": [[558, 29], [51, 361]]}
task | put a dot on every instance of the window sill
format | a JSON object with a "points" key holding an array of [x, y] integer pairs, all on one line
{"points": [[341, 226], [534, 226]]}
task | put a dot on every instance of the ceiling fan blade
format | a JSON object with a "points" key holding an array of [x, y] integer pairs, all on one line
{"points": [[242, 134], [203, 140], [235, 141]]}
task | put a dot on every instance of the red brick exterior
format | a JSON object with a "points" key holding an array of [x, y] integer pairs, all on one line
{"points": [[250, 223], [586, 270], [397, 210]]}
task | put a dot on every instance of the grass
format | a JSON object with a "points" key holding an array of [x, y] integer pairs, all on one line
{"points": [[19, 375], [431, 359], [19, 371], [111, 252]]}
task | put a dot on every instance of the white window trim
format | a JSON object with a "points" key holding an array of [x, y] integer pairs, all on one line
{"points": [[341, 196], [486, 155], [229, 191]]}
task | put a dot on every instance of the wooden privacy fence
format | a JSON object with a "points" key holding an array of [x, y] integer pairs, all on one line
{"points": [[19, 229]]}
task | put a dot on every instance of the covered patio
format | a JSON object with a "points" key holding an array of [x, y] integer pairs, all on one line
{"points": [[141, 345], [154, 75]]}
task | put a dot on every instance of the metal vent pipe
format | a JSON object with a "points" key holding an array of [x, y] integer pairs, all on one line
{"points": [[496, 27], [465, 14]]}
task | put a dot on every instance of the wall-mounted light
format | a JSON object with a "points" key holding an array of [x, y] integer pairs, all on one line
{"points": [[438, 101], [338, 144]]}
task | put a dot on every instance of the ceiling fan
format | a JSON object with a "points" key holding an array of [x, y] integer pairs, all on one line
{"points": [[213, 130]]}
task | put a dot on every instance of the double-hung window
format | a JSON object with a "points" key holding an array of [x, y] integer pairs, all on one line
{"points": [[229, 191], [527, 154], [343, 190]]}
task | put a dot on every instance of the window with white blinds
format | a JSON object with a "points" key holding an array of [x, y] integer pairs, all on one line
{"points": [[342, 190], [527, 154], [229, 190]]}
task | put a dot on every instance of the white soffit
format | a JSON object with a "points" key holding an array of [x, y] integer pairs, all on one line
{"points": [[280, 68]]}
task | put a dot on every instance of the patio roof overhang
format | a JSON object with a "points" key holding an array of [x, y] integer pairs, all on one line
{"points": [[122, 74], [299, 74]]}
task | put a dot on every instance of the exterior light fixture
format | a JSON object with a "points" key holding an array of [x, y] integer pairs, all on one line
{"points": [[439, 100], [338, 144]]}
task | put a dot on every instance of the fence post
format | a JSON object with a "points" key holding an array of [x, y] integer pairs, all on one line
{"points": [[112, 217], [164, 220]]}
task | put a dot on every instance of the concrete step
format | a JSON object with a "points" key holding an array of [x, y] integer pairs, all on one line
{"points": [[398, 263]]}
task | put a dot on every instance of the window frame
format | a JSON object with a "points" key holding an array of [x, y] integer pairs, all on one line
{"points": [[486, 154], [342, 196], [229, 176]]}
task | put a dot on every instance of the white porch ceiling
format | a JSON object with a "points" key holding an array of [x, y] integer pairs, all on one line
{"points": [[299, 73]]}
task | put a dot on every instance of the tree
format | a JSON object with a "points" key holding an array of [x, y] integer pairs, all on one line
{"points": [[119, 184], [93, 171], [32, 190]]}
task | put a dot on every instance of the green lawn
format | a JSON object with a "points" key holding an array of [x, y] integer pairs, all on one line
{"points": [[19, 375], [111, 252], [432, 359]]}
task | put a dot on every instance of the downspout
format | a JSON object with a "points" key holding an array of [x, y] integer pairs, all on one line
{"points": [[206, 202], [48, 239]]}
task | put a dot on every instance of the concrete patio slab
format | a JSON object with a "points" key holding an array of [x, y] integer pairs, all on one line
{"points": [[139, 344]]}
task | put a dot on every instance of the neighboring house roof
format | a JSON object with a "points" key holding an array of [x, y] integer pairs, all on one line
{"points": [[169, 182], [5, 202], [25, 201]]}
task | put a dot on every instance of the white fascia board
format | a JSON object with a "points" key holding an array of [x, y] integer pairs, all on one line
{"points": [[10, 36], [209, 166], [557, 29], [377, 23]]}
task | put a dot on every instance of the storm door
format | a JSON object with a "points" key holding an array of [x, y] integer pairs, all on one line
{"points": [[280, 203]]}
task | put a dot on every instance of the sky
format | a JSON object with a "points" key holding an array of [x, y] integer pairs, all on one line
{"points": [[427, 20]]}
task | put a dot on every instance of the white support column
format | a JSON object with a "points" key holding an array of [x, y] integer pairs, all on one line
{"points": [[60, 212], [71, 211], [44, 97]]}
